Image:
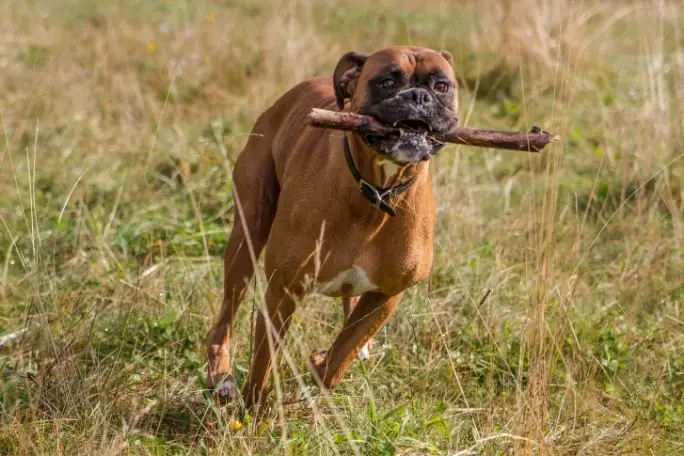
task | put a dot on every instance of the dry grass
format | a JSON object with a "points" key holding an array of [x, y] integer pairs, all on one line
{"points": [[120, 127]]}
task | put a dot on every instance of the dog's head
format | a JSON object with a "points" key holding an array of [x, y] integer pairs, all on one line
{"points": [[408, 87]]}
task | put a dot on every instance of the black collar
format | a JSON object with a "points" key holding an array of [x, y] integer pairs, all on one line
{"points": [[378, 196]]}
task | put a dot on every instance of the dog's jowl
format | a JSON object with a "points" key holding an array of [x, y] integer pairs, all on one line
{"points": [[354, 211]]}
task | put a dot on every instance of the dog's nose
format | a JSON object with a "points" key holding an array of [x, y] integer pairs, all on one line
{"points": [[419, 96]]}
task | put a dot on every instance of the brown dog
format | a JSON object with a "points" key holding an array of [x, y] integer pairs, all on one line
{"points": [[346, 215]]}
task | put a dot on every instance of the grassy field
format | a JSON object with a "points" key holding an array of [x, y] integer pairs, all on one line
{"points": [[551, 324]]}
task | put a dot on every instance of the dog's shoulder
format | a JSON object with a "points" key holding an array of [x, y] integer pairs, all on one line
{"points": [[288, 114], [321, 86], [295, 104], [311, 93]]}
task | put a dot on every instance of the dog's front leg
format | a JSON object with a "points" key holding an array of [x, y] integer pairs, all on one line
{"points": [[349, 304], [368, 316]]}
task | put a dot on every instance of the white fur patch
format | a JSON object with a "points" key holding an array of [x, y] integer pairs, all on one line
{"points": [[225, 388], [355, 277], [364, 353], [389, 169], [398, 152]]}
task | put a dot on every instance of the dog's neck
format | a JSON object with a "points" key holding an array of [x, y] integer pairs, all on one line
{"points": [[379, 170]]}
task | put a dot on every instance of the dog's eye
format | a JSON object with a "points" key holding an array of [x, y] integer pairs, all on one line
{"points": [[387, 83], [441, 87]]}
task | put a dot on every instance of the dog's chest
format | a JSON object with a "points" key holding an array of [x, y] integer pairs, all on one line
{"points": [[387, 271], [350, 282]]}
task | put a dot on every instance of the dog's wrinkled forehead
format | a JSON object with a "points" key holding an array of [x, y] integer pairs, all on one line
{"points": [[409, 60], [414, 64]]}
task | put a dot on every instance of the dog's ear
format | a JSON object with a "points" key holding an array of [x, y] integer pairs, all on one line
{"points": [[346, 73], [448, 57]]}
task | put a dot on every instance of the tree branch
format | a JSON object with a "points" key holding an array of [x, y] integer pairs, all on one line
{"points": [[534, 141]]}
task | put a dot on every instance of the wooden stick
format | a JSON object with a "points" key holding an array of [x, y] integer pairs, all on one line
{"points": [[534, 141]]}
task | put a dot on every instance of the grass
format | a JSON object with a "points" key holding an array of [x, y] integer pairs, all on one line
{"points": [[551, 323]]}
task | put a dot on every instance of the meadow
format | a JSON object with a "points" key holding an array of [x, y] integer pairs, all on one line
{"points": [[551, 323]]}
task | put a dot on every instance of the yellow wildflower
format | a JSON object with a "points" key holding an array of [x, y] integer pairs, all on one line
{"points": [[235, 424]]}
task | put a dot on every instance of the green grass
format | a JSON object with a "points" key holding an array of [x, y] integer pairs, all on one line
{"points": [[120, 125]]}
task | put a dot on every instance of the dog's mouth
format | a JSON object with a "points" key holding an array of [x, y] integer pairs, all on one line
{"points": [[413, 125], [412, 140], [416, 130]]}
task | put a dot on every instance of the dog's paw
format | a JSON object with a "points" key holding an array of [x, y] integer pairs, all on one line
{"points": [[364, 352], [221, 385], [225, 389], [318, 358], [317, 365]]}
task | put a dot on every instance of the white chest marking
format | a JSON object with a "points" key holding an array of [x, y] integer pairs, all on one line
{"points": [[353, 282], [389, 169]]}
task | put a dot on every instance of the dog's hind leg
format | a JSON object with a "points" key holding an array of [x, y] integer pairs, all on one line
{"points": [[255, 193], [273, 320], [348, 304]]}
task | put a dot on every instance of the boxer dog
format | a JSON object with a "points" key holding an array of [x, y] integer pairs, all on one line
{"points": [[348, 215]]}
